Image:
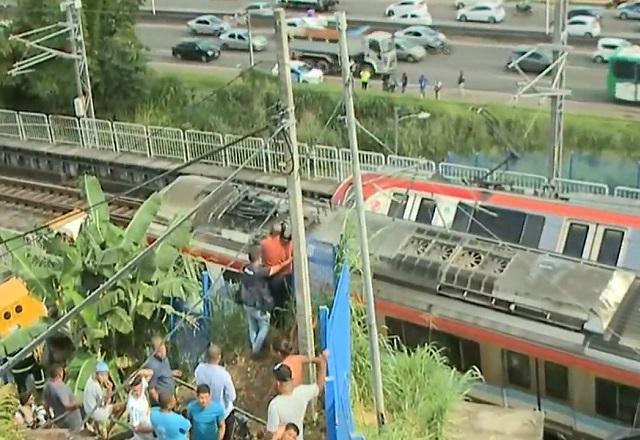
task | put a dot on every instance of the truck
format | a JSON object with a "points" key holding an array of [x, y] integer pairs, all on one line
{"points": [[319, 48], [318, 5]]}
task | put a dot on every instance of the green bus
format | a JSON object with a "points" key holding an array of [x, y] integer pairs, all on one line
{"points": [[623, 80]]}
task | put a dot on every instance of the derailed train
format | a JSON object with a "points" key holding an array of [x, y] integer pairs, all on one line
{"points": [[547, 331]]}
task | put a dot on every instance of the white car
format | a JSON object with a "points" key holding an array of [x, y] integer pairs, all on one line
{"points": [[404, 7], [584, 26], [459, 4], [302, 72], [417, 17], [207, 25], [488, 12], [606, 47], [263, 9]]}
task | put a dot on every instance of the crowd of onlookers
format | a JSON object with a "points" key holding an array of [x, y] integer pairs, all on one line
{"points": [[151, 405]]}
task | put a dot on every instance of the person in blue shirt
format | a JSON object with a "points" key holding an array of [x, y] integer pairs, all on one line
{"points": [[206, 416], [166, 424]]}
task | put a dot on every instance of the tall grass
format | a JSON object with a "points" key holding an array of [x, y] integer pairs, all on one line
{"points": [[8, 404], [246, 104], [420, 389]]}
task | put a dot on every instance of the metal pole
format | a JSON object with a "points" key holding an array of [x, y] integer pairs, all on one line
{"points": [[546, 17], [301, 264], [341, 18], [396, 128], [251, 60], [153, 7], [78, 49], [557, 100]]}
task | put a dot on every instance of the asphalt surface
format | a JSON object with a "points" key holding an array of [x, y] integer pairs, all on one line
{"points": [[482, 61], [441, 10]]}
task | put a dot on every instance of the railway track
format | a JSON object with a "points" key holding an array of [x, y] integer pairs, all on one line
{"points": [[51, 199]]}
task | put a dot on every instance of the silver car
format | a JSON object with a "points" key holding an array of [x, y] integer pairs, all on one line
{"points": [[409, 51], [263, 9], [422, 35], [238, 39], [207, 25]]}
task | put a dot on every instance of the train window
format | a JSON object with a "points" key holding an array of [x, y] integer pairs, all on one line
{"points": [[610, 246], [411, 335], [556, 380], [576, 239], [532, 231], [462, 218], [616, 401], [505, 224], [462, 354], [518, 369], [398, 205], [426, 211]]}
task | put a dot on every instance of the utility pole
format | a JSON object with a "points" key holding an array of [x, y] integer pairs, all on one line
{"points": [[294, 188], [558, 100], [84, 101], [347, 83], [556, 91], [250, 30]]}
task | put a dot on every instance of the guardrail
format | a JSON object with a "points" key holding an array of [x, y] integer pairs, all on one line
{"points": [[452, 28], [317, 162]]}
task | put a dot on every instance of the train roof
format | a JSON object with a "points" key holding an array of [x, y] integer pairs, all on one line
{"points": [[527, 293]]}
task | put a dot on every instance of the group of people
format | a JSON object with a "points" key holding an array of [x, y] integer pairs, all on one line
{"points": [[390, 84], [266, 285]]}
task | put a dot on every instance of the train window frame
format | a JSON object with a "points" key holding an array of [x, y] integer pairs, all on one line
{"points": [[511, 379], [419, 200], [550, 389], [410, 333], [461, 353], [600, 236], [404, 198], [588, 240], [605, 389]]}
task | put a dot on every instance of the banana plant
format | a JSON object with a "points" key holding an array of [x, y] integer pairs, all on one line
{"points": [[63, 273]]}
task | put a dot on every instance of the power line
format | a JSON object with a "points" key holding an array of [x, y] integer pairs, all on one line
{"points": [[141, 185]]}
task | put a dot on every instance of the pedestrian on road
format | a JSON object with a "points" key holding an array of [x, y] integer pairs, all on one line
{"points": [[423, 82], [436, 89], [159, 370], [404, 81], [365, 76], [207, 416], [167, 424], [59, 399], [461, 82], [290, 405], [220, 384], [256, 297]]}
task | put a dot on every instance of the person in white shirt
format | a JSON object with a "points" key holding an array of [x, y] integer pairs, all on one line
{"points": [[290, 405], [139, 410]]}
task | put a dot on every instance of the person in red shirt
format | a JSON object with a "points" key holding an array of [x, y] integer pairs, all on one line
{"points": [[277, 248]]}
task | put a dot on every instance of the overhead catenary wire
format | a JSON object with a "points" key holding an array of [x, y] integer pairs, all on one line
{"points": [[139, 186], [95, 295]]}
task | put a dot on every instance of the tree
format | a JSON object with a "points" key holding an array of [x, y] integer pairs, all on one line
{"points": [[61, 273], [117, 62]]}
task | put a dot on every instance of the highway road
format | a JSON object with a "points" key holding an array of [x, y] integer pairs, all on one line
{"points": [[441, 10], [482, 61]]}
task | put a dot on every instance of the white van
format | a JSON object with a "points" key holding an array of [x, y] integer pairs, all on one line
{"points": [[606, 47]]}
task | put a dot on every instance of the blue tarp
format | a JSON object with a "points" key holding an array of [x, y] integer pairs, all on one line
{"points": [[336, 337]]}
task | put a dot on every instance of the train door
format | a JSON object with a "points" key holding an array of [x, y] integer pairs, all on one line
{"points": [[434, 210], [588, 241]]}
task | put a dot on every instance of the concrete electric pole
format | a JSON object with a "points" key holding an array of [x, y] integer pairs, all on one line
{"points": [[347, 83], [294, 188], [557, 90], [83, 103]]}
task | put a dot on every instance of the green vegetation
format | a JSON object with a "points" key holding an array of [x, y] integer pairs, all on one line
{"points": [[244, 104], [8, 404]]}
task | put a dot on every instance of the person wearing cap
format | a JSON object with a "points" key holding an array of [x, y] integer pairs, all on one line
{"points": [[97, 395], [290, 405]]}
